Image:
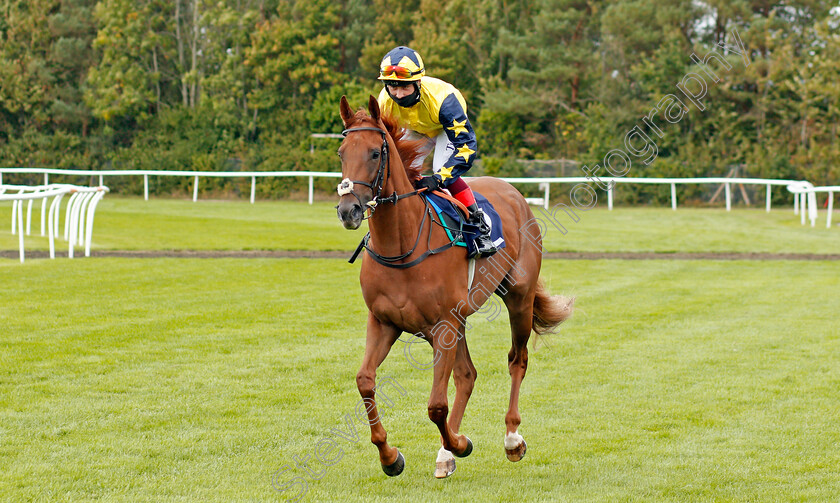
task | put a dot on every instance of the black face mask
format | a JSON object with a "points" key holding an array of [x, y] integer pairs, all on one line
{"points": [[407, 101]]}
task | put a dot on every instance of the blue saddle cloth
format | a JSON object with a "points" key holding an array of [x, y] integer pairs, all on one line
{"points": [[453, 219]]}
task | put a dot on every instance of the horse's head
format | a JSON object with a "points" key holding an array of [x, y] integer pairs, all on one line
{"points": [[364, 163]]}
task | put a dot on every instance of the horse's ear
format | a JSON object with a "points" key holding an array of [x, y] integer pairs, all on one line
{"points": [[345, 110], [373, 107]]}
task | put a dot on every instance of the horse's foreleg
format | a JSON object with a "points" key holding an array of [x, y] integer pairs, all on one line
{"points": [[465, 374], [521, 322], [380, 338], [445, 342]]}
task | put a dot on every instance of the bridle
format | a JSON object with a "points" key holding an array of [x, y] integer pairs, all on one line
{"points": [[346, 187]]}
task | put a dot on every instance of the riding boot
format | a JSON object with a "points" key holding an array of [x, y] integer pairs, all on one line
{"points": [[483, 243]]}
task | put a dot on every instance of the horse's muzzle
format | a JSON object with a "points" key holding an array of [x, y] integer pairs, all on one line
{"points": [[350, 213]]}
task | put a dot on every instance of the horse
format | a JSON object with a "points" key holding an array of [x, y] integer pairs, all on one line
{"points": [[414, 281]]}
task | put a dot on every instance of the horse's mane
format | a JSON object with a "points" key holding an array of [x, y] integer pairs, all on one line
{"points": [[410, 151]]}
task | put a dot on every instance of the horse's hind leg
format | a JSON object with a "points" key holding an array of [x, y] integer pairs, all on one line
{"points": [[464, 373], [521, 310], [380, 338]]}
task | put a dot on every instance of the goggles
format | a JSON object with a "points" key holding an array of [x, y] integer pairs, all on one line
{"points": [[398, 72]]}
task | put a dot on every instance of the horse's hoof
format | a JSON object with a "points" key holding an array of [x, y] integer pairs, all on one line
{"points": [[518, 452], [444, 464], [444, 469], [467, 452], [396, 467]]}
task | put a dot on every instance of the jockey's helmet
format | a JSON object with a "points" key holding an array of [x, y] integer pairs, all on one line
{"points": [[401, 64]]}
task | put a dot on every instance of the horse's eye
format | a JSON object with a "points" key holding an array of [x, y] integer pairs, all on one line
{"points": [[338, 153], [375, 154]]}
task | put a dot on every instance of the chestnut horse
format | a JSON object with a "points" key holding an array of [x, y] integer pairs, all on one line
{"points": [[412, 281]]}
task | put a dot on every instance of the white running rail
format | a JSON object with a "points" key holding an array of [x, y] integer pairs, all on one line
{"points": [[800, 188], [543, 183], [804, 191], [253, 175], [78, 221]]}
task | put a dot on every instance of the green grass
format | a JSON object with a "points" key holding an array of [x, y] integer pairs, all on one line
{"points": [[196, 380], [167, 224], [663, 230]]}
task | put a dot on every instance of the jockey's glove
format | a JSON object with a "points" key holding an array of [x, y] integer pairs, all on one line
{"points": [[429, 182]]}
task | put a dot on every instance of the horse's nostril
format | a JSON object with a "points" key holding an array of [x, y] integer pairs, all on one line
{"points": [[350, 213]]}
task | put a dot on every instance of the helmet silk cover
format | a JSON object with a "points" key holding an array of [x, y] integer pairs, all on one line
{"points": [[403, 65]]}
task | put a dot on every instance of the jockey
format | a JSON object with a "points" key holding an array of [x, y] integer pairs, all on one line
{"points": [[435, 109]]}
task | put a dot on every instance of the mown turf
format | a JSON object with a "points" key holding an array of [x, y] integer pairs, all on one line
{"points": [[197, 380], [166, 224]]}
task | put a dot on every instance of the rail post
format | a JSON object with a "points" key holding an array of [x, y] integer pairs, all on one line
{"points": [[44, 216], [14, 215], [803, 207], [674, 196], [547, 188], [53, 222], [311, 188], [29, 217], [728, 197], [97, 196], [768, 197], [20, 227]]}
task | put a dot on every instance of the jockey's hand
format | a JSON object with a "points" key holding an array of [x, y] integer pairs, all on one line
{"points": [[428, 182]]}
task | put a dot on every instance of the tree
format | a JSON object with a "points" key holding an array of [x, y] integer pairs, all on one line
{"points": [[293, 56], [550, 63], [121, 85], [26, 80]]}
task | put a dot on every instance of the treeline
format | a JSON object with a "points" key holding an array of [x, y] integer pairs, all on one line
{"points": [[241, 84]]}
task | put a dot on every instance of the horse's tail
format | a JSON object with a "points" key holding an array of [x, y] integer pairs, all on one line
{"points": [[550, 310]]}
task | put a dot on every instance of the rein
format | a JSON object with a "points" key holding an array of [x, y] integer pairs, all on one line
{"points": [[391, 261], [346, 187]]}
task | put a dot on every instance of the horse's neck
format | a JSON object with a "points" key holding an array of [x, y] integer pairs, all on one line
{"points": [[394, 227]]}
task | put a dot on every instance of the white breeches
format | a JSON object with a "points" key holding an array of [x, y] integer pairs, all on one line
{"points": [[443, 151], [442, 146]]}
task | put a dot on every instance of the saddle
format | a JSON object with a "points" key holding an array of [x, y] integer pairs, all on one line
{"points": [[453, 216]]}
